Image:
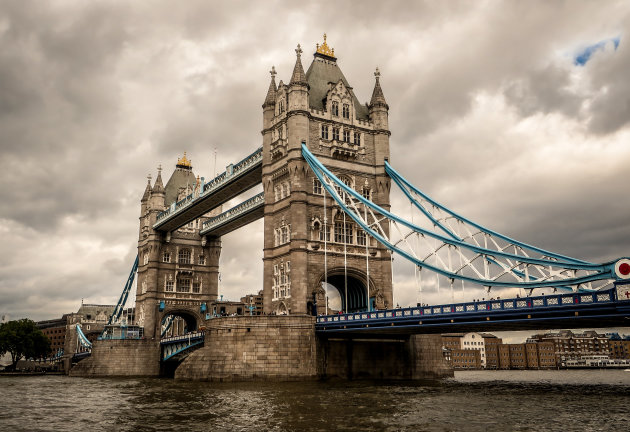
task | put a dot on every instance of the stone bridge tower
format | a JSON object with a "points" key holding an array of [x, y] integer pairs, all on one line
{"points": [[303, 246], [177, 271]]}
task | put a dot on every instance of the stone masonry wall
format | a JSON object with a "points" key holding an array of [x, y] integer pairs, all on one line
{"points": [[243, 348], [120, 358], [414, 357]]}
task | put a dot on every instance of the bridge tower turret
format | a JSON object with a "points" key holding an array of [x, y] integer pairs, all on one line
{"points": [[303, 245], [178, 270]]}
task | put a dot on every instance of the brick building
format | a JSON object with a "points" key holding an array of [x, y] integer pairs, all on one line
{"points": [[572, 346], [253, 302], [483, 343], [465, 359], [55, 330], [619, 348], [492, 351]]}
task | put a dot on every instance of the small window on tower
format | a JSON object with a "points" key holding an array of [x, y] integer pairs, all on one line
{"points": [[317, 187], [357, 138], [325, 132], [336, 134], [335, 109], [346, 136], [166, 257], [346, 111], [202, 260]]}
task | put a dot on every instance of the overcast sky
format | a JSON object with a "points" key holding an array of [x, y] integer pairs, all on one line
{"points": [[490, 113]]}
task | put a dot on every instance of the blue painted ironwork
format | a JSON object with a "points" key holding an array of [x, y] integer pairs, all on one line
{"points": [[83, 340], [167, 322], [492, 311], [408, 189], [552, 270], [115, 316], [175, 345], [232, 172], [235, 212]]}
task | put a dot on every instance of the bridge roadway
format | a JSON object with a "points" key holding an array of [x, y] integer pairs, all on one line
{"points": [[572, 310], [236, 179]]}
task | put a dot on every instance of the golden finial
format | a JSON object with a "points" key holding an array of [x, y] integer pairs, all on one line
{"points": [[183, 162], [325, 49]]}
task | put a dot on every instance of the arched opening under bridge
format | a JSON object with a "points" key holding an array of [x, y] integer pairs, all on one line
{"points": [[357, 300], [177, 323]]}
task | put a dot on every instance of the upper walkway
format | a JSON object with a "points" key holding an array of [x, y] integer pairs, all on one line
{"points": [[236, 179], [236, 217], [572, 310]]}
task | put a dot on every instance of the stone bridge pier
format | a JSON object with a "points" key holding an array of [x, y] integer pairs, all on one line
{"points": [[414, 357]]}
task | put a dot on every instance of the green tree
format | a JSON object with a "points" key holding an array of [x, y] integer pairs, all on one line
{"points": [[23, 339]]}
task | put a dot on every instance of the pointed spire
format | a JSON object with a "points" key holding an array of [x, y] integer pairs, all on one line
{"points": [[298, 77], [159, 186], [270, 100], [147, 190], [378, 98]]}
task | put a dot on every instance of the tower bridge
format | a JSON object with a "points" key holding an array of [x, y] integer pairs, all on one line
{"points": [[324, 168]]}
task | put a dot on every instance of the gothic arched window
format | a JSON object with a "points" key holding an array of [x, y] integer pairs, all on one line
{"points": [[335, 108], [346, 111]]}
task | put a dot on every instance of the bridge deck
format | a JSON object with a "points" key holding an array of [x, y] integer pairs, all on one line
{"points": [[176, 347], [574, 310], [237, 179]]}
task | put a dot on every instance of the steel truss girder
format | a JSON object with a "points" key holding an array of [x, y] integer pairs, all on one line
{"points": [[522, 270]]}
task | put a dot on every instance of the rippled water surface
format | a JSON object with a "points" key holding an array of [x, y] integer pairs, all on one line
{"points": [[473, 401]]}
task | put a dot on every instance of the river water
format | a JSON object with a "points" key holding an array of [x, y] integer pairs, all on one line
{"points": [[577, 400]]}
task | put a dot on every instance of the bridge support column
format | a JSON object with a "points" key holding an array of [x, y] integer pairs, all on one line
{"points": [[126, 357], [411, 357]]}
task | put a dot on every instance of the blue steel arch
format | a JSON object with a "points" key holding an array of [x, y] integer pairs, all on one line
{"points": [[594, 272]]}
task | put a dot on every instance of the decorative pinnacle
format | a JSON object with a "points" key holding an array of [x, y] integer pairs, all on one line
{"points": [[184, 162], [159, 169], [149, 178], [377, 73], [273, 72], [299, 51], [325, 49]]}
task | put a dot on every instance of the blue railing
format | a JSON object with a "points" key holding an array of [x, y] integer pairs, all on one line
{"points": [[486, 307], [183, 338], [232, 171], [175, 345]]}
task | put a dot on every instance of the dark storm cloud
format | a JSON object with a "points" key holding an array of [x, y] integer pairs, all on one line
{"points": [[545, 90], [610, 107], [96, 94]]}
